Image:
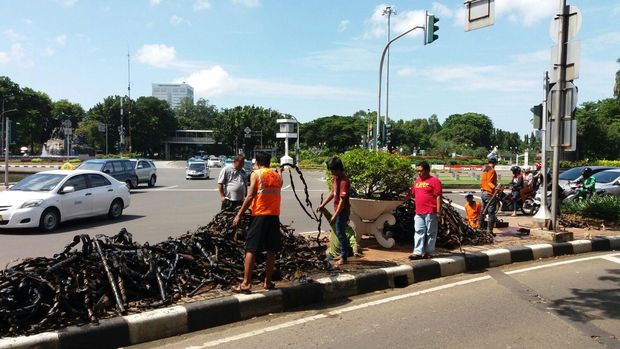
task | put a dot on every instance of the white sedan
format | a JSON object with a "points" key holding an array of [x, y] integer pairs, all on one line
{"points": [[46, 199]]}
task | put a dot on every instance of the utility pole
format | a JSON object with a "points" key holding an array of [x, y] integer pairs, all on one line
{"points": [[129, 98], [6, 143], [559, 120], [543, 215], [387, 46], [388, 11]]}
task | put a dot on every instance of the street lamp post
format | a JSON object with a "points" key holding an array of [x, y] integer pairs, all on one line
{"points": [[387, 46], [6, 143], [297, 145], [388, 11]]}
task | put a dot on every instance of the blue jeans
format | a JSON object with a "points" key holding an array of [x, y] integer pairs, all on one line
{"points": [[341, 232], [515, 200], [425, 234]]}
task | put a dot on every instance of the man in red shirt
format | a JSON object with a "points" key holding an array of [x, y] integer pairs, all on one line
{"points": [[427, 193], [341, 186]]}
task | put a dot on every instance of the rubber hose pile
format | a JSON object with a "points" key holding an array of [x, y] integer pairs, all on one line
{"points": [[453, 230], [97, 278]]}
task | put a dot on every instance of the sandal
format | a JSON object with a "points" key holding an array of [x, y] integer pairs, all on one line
{"points": [[269, 286], [240, 289], [414, 257]]}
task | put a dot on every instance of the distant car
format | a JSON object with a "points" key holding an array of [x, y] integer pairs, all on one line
{"points": [[575, 173], [145, 170], [214, 161], [197, 169], [608, 182], [228, 161], [120, 169], [46, 199]]}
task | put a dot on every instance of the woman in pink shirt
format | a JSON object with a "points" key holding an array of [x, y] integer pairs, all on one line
{"points": [[427, 193]]}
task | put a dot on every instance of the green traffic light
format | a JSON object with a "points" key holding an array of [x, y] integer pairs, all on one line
{"points": [[431, 29]]}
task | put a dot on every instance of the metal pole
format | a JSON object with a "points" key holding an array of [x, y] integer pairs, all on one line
{"points": [[106, 139], [122, 131], [544, 145], [129, 100], [381, 78], [558, 122], [389, 11], [6, 153]]}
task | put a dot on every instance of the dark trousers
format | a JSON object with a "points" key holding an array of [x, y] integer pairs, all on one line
{"points": [[231, 205], [341, 232]]}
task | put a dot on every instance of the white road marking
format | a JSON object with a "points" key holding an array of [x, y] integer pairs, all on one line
{"points": [[334, 312], [518, 271], [611, 257], [457, 206], [614, 259], [288, 186], [475, 196], [166, 188]]}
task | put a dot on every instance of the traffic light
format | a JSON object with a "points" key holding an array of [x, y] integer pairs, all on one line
{"points": [[431, 28], [537, 116], [388, 134]]}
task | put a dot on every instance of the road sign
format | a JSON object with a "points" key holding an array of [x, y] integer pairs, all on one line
{"points": [[569, 135], [67, 123], [571, 101], [572, 62], [247, 130], [479, 14], [574, 24], [101, 127], [247, 135], [68, 131]]}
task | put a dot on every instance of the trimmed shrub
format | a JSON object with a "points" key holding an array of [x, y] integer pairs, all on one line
{"points": [[605, 207], [37, 160], [75, 161], [377, 175]]}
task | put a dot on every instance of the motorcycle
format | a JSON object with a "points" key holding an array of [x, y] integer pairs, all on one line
{"points": [[504, 201]]}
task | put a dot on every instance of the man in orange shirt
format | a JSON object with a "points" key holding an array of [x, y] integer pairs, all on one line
{"points": [[488, 185], [472, 210], [263, 235]]}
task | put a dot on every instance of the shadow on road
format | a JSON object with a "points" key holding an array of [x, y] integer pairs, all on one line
{"points": [[593, 304], [85, 223]]}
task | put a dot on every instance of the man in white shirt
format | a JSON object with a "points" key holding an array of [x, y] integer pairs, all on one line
{"points": [[232, 184]]}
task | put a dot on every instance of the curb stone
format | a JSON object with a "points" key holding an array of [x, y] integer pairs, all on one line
{"points": [[180, 319]]}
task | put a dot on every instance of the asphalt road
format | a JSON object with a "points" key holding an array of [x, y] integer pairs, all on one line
{"points": [[570, 302], [171, 208]]}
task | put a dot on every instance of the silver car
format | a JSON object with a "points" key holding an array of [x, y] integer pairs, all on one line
{"points": [[574, 174], [145, 170], [608, 182]]}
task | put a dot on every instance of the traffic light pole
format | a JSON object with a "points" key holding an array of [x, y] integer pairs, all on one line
{"points": [[387, 46], [559, 117]]}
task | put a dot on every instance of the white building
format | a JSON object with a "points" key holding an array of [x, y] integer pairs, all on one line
{"points": [[173, 93]]}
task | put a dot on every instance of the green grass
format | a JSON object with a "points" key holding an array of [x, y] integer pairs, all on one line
{"points": [[467, 181]]}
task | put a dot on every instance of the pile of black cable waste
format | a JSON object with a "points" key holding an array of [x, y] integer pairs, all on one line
{"points": [[453, 230], [97, 278]]}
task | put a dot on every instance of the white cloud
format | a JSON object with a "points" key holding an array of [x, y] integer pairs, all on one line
{"points": [[28, 21], [403, 21], [176, 20], [61, 39], [48, 52], [216, 81], [154, 2], [211, 82], [406, 72], [441, 10], [68, 3], [527, 12], [610, 38], [247, 3], [489, 77], [12, 36], [201, 5], [157, 55], [343, 25], [341, 59], [459, 16], [532, 57], [15, 54], [617, 10]]}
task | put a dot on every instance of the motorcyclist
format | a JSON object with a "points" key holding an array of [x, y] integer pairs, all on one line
{"points": [[588, 187], [537, 177], [515, 186]]}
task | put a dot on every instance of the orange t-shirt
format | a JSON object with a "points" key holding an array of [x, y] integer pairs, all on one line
{"points": [[473, 213], [488, 180]]}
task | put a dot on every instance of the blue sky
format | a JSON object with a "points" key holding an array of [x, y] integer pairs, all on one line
{"points": [[306, 58]]}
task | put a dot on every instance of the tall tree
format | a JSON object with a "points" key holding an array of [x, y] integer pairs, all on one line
{"points": [[152, 121], [470, 129]]}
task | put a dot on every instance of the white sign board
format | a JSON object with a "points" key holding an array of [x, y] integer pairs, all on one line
{"points": [[571, 101], [572, 62], [247, 130], [479, 14], [569, 135], [574, 24]]}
